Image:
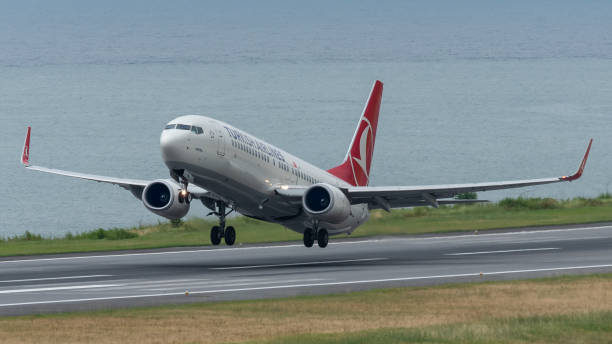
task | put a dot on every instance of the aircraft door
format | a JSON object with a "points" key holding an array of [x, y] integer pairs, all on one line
{"points": [[220, 143]]}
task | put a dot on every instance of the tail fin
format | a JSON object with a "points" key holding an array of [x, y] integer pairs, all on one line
{"points": [[355, 169]]}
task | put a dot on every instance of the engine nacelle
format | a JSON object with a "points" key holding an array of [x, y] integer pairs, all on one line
{"points": [[326, 203], [162, 198]]}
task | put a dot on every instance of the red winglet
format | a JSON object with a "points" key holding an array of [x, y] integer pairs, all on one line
{"points": [[25, 157], [581, 168]]}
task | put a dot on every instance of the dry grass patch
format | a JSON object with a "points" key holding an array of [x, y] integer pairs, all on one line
{"points": [[345, 313]]}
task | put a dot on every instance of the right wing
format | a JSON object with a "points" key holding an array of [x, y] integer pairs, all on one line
{"points": [[135, 186]]}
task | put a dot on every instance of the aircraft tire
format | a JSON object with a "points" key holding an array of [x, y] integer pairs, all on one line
{"points": [[215, 235], [322, 238], [308, 237], [230, 236]]}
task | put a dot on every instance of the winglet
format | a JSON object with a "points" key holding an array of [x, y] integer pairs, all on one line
{"points": [[578, 174], [25, 157]]}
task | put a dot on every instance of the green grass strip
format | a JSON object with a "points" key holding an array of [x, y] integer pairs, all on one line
{"points": [[585, 328], [509, 213]]}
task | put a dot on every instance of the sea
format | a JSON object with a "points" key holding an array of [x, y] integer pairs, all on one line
{"points": [[474, 91]]}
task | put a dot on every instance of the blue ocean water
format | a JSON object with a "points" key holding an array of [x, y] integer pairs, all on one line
{"points": [[477, 91]]}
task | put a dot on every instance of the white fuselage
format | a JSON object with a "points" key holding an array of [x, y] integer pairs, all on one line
{"points": [[244, 171]]}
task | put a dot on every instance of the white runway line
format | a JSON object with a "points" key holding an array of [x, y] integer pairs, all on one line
{"points": [[71, 287], [367, 241], [241, 284], [54, 278], [503, 251], [299, 264], [324, 284]]}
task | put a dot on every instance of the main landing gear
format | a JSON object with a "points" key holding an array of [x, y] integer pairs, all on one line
{"points": [[221, 232], [320, 234]]}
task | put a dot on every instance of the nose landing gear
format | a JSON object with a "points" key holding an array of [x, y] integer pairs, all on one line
{"points": [[184, 195], [217, 233], [221, 232]]}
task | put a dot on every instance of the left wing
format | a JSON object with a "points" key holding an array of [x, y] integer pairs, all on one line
{"points": [[387, 197]]}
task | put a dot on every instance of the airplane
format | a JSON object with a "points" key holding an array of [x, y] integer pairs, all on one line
{"points": [[229, 170]]}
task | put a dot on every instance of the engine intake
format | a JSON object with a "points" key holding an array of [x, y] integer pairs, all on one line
{"points": [[162, 198], [326, 203]]}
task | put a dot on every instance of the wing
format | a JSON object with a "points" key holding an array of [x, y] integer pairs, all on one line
{"points": [[387, 197], [135, 186]]}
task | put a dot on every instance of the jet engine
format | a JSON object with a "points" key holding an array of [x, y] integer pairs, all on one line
{"points": [[326, 203], [162, 197]]}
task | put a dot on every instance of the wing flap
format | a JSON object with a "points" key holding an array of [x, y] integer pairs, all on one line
{"points": [[439, 191]]}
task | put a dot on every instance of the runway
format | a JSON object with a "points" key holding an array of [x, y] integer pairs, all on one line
{"points": [[44, 284]]}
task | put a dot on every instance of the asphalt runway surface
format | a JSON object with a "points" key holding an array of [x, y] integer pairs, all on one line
{"points": [[46, 284]]}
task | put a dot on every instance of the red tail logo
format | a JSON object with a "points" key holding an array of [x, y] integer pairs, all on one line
{"points": [[355, 169]]}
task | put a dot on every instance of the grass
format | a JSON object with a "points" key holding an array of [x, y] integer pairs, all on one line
{"points": [[509, 213], [550, 310], [593, 328]]}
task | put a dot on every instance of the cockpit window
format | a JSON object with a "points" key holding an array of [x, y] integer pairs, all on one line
{"points": [[197, 130], [170, 126], [183, 127]]}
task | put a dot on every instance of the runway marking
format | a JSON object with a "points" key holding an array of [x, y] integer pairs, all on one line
{"points": [[299, 264], [243, 284], [503, 251], [30, 290], [53, 278], [159, 282], [324, 284], [212, 250], [145, 254]]}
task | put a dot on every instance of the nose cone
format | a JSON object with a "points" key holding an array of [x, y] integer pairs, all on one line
{"points": [[172, 143]]}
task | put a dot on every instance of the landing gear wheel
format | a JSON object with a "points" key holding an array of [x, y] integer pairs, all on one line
{"points": [[230, 236], [322, 238], [215, 235], [308, 237]]}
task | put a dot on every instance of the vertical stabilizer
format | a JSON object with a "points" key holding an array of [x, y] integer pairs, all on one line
{"points": [[355, 169]]}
